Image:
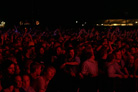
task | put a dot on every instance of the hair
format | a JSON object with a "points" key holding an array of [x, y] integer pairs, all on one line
{"points": [[129, 57], [6, 64], [25, 74], [6, 83], [57, 48], [14, 82], [34, 66], [102, 51], [28, 61], [49, 68], [110, 57], [87, 51], [70, 48], [117, 50]]}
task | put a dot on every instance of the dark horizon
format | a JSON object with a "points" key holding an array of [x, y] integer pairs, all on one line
{"points": [[66, 12]]}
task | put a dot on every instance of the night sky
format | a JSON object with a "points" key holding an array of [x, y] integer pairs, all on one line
{"points": [[66, 11]]}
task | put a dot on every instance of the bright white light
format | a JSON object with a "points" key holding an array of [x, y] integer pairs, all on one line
{"points": [[115, 24], [82, 24], [123, 24], [76, 21], [2, 24], [136, 22], [102, 24]]}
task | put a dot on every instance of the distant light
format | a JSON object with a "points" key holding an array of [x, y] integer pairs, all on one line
{"points": [[2, 24], [115, 24], [85, 22], [136, 22], [37, 22], [21, 23], [82, 24], [27, 23], [106, 24], [123, 24], [130, 24], [76, 21], [102, 24]]}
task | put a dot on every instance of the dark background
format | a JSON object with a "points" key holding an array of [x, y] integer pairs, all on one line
{"points": [[66, 12]]}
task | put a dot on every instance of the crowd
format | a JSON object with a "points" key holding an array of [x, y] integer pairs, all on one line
{"points": [[35, 59]]}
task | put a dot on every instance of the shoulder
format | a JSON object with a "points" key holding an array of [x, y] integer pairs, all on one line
{"points": [[115, 63], [76, 57], [5, 90], [31, 89], [123, 62], [85, 63], [40, 79], [110, 66]]}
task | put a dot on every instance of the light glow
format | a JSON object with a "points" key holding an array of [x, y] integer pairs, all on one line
{"points": [[2, 24], [37, 22]]}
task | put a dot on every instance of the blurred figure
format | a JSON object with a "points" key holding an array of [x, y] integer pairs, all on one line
{"points": [[35, 70], [27, 65], [131, 66], [71, 70], [17, 69], [8, 70], [112, 70], [49, 73], [26, 84], [9, 89], [58, 58], [18, 83], [117, 70], [89, 72], [72, 62], [130, 82], [41, 55]]}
